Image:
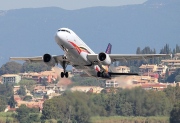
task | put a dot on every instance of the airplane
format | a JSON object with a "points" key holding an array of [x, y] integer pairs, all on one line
{"points": [[80, 56]]}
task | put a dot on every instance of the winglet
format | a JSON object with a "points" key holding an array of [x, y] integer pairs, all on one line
{"points": [[108, 50]]}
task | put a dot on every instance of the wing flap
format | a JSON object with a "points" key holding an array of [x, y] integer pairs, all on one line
{"points": [[31, 59], [124, 57], [128, 74]]}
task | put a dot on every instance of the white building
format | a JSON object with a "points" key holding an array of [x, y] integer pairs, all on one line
{"points": [[123, 69], [161, 69], [93, 89], [111, 83], [11, 78]]}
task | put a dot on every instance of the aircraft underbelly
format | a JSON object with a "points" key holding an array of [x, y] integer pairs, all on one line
{"points": [[77, 58]]}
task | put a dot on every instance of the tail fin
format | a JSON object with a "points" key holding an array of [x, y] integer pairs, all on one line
{"points": [[108, 50]]}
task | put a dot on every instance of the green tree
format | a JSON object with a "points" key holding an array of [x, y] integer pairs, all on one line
{"points": [[177, 92], [171, 94], [43, 81], [27, 98], [98, 104], [166, 74], [2, 103], [6, 89], [177, 78], [157, 104], [174, 115], [46, 97], [34, 117], [70, 107], [88, 81], [138, 51], [12, 102], [10, 68], [52, 109], [23, 114], [30, 84], [22, 91], [177, 48], [35, 67], [127, 109], [6, 93], [172, 77], [27, 115], [166, 50], [111, 104]]}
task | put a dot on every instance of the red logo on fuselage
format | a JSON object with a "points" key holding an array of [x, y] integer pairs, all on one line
{"points": [[79, 49]]}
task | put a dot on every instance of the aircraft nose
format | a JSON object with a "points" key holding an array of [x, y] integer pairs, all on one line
{"points": [[59, 37]]}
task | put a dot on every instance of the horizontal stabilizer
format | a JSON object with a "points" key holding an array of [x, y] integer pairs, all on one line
{"points": [[128, 74]]}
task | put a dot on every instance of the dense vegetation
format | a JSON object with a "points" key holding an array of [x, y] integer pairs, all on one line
{"points": [[174, 116], [27, 115], [86, 81], [35, 67], [29, 83], [79, 107], [6, 94], [14, 67]]}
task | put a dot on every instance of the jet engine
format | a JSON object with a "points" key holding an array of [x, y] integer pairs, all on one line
{"points": [[104, 58], [49, 60]]}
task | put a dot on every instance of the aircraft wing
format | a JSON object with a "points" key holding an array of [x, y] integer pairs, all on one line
{"points": [[58, 58], [124, 57], [31, 59]]}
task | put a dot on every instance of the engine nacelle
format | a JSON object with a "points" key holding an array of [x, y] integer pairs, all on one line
{"points": [[104, 58], [49, 60]]}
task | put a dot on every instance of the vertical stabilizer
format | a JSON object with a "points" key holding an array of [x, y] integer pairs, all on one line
{"points": [[105, 68], [108, 50]]}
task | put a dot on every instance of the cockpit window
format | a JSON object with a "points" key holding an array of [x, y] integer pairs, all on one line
{"points": [[63, 30]]}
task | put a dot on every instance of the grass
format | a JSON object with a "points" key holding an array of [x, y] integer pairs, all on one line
{"points": [[131, 119]]}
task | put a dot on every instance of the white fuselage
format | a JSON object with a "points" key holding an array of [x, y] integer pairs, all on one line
{"points": [[76, 51]]}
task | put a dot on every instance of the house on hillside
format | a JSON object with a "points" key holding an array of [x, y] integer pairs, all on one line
{"points": [[111, 83], [153, 70], [123, 69], [93, 89], [147, 68], [11, 78], [15, 89], [154, 86], [48, 76]]}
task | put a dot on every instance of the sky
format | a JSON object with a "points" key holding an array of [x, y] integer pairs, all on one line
{"points": [[65, 4]]}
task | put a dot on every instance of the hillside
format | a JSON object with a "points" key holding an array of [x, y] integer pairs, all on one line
{"points": [[29, 32]]}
